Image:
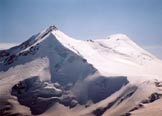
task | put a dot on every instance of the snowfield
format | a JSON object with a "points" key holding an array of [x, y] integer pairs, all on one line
{"points": [[54, 74]]}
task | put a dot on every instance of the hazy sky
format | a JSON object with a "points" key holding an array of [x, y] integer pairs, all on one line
{"points": [[141, 20]]}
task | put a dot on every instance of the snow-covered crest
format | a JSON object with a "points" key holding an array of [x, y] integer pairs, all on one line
{"points": [[116, 55]]}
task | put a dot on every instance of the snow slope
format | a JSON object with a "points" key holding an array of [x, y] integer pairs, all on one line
{"points": [[93, 70], [116, 55]]}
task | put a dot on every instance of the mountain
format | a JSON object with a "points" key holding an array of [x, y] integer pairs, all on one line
{"points": [[54, 74]]}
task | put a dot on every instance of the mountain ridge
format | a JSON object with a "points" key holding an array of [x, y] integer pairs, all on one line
{"points": [[118, 46], [56, 70]]}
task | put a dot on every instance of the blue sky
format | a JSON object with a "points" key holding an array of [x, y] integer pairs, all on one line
{"points": [[141, 20]]}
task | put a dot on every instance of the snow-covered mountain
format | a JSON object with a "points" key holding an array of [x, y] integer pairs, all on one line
{"points": [[54, 74]]}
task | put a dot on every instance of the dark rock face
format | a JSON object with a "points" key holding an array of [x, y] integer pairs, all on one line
{"points": [[33, 50], [29, 91], [6, 109], [3, 113], [40, 96], [29, 42], [101, 110], [127, 114], [13, 114], [10, 59], [153, 97], [4, 53], [158, 84], [137, 107], [104, 87]]}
